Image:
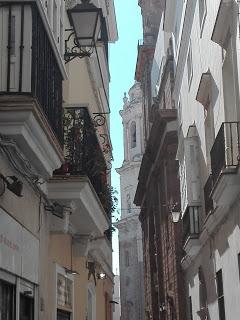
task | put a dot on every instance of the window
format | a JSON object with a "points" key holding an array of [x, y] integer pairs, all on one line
{"points": [[91, 304], [55, 18], [239, 265], [190, 308], [229, 93], [61, 28], [64, 292], [180, 112], [133, 135], [203, 301], [189, 65], [26, 311], [12, 36], [128, 203], [202, 12], [7, 300], [63, 315], [209, 132], [220, 295], [126, 258]]}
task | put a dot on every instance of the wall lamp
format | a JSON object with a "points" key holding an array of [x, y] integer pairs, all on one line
{"points": [[101, 276], [86, 21], [175, 212], [13, 184], [175, 216]]}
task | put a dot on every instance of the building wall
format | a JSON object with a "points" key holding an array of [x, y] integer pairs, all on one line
{"points": [[158, 183], [217, 246]]}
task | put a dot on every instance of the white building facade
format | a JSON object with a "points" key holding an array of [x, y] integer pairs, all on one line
{"points": [[130, 235], [205, 35]]}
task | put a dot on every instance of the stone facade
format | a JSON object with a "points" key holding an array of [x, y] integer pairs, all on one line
{"points": [[130, 235]]}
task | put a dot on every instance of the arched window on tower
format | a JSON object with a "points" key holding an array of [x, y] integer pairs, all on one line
{"points": [[133, 135]]}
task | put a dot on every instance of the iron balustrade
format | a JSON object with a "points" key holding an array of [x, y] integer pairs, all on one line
{"points": [[43, 73], [225, 150], [46, 76], [191, 222], [83, 154], [208, 195]]}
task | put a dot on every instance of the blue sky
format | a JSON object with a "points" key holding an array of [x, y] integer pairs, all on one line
{"points": [[123, 55]]}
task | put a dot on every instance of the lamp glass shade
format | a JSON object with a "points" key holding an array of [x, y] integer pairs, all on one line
{"points": [[86, 22], [102, 276], [175, 216]]}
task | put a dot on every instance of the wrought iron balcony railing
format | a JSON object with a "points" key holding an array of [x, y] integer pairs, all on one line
{"points": [[191, 223], [208, 195], [31, 67], [46, 76], [83, 154], [225, 150]]}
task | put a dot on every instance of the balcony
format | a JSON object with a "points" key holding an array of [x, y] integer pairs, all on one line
{"points": [[225, 164], [82, 179], [191, 230], [30, 87]]}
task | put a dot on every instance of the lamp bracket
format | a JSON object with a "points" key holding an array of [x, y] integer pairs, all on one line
{"points": [[72, 49], [99, 118]]}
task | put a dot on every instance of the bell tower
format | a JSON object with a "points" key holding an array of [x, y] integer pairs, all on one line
{"points": [[132, 124], [130, 234]]}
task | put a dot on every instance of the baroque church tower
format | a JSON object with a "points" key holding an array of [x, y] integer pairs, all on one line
{"points": [[130, 234]]}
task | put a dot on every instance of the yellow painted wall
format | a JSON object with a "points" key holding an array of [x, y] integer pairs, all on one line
{"points": [[78, 88], [60, 252]]}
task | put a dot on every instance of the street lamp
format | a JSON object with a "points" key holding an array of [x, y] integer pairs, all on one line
{"points": [[86, 21], [175, 216], [175, 212]]}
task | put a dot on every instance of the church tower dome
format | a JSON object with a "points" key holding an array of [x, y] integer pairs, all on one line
{"points": [[132, 124]]}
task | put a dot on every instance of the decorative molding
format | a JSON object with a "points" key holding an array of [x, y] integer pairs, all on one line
{"points": [[22, 121], [89, 215]]}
